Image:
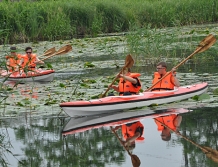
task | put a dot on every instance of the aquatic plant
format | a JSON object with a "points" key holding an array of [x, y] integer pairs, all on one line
{"points": [[24, 21]]}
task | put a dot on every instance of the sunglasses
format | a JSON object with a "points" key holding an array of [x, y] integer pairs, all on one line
{"points": [[28, 52], [160, 68]]}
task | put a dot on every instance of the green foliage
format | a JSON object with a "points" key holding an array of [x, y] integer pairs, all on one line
{"points": [[49, 66], [88, 65], [89, 81], [201, 97], [62, 19], [215, 92], [62, 85]]}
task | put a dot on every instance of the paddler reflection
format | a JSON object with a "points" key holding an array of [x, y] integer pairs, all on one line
{"points": [[131, 132], [27, 91], [173, 121]]}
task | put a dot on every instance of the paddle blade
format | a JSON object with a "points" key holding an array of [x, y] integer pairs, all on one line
{"points": [[64, 50], [129, 61], [49, 52], [211, 153], [135, 160], [206, 43]]}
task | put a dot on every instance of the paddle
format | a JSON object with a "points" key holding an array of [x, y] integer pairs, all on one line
{"points": [[210, 153], [128, 64], [205, 44], [135, 159], [48, 52], [63, 50]]}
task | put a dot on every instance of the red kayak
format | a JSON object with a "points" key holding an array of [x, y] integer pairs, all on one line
{"points": [[30, 76], [115, 103]]}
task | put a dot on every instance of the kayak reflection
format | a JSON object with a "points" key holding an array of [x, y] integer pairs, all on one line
{"points": [[125, 124], [81, 124]]}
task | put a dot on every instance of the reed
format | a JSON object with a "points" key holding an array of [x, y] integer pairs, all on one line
{"points": [[62, 19]]}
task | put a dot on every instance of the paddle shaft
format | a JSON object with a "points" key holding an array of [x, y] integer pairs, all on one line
{"points": [[129, 63], [112, 83], [199, 146], [120, 141]]}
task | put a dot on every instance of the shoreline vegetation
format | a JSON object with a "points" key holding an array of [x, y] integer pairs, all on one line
{"points": [[32, 21]]}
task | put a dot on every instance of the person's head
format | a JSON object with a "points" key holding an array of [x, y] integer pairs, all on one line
{"points": [[28, 50], [166, 135], [161, 67], [13, 50]]}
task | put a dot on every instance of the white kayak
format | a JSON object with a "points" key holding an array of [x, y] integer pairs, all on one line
{"points": [[30, 76], [117, 103]]}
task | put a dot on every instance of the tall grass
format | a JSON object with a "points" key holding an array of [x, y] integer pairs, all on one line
{"points": [[65, 19]]}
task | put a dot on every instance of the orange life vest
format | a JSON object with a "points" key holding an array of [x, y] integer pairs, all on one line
{"points": [[167, 120], [166, 83], [129, 131], [126, 86], [30, 62], [14, 61]]}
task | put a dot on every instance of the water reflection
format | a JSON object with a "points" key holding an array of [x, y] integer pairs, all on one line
{"points": [[128, 123], [89, 141], [167, 123], [171, 125], [129, 142]]}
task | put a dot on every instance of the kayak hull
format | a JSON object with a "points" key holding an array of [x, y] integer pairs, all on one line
{"points": [[116, 103], [30, 76]]}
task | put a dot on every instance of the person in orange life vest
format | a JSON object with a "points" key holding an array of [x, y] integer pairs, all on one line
{"points": [[173, 121], [30, 59], [169, 82], [131, 132], [14, 60], [129, 83]]}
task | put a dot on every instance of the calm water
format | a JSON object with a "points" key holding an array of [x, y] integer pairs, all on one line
{"points": [[31, 131], [39, 142]]}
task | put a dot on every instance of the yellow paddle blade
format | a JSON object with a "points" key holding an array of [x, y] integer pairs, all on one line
{"points": [[211, 153], [49, 52], [64, 50], [129, 61], [61, 51], [135, 160], [206, 43]]}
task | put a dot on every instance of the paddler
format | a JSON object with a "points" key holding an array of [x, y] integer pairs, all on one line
{"points": [[14, 60], [167, 83], [30, 60], [129, 83]]}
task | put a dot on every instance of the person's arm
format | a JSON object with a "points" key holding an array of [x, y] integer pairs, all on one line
{"points": [[116, 88], [133, 138], [175, 79], [128, 78], [116, 128], [38, 61], [177, 121]]}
